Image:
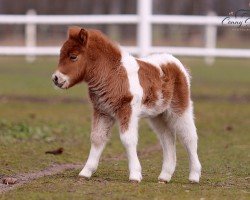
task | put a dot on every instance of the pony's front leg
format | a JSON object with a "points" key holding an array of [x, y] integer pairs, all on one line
{"points": [[99, 136], [129, 138]]}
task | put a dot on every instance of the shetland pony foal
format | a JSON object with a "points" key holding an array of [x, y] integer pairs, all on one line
{"points": [[125, 88]]}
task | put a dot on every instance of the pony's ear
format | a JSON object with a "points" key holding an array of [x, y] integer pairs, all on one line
{"points": [[83, 36], [79, 34], [73, 32]]}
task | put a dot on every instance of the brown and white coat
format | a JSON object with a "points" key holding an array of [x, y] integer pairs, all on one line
{"points": [[123, 88]]}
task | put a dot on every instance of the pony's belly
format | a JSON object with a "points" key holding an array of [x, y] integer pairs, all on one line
{"points": [[153, 111]]}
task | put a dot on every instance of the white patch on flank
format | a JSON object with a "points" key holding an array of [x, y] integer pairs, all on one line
{"points": [[130, 137], [160, 59], [157, 109], [62, 78], [131, 66]]}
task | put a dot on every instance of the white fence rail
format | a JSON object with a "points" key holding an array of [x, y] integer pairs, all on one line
{"points": [[144, 20]]}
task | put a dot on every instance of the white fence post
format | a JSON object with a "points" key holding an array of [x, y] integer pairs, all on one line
{"points": [[30, 37], [210, 39], [144, 29]]}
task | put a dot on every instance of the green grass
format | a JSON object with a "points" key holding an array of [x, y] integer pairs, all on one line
{"points": [[28, 129]]}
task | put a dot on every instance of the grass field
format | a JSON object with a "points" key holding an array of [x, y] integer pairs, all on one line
{"points": [[34, 118]]}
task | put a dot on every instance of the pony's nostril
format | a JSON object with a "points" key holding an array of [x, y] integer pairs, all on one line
{"points": [[55, 79]]}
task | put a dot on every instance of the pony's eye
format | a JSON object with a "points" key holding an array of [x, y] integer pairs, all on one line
{"points": [[73, 57]]}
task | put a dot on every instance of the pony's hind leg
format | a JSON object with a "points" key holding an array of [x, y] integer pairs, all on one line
{"points": [[186, 132], [167, 140]]}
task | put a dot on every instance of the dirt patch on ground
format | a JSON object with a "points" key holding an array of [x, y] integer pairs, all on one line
{"points": [[28, 177], [58, 168], [54, 100]]}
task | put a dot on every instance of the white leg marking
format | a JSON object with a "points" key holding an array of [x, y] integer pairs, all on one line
{"points": [[99, 137], [93, 160], [167, 140], [186, 130], [129, 139]]}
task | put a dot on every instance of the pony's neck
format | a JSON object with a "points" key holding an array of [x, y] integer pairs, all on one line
{"points": [[104, 56]]}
